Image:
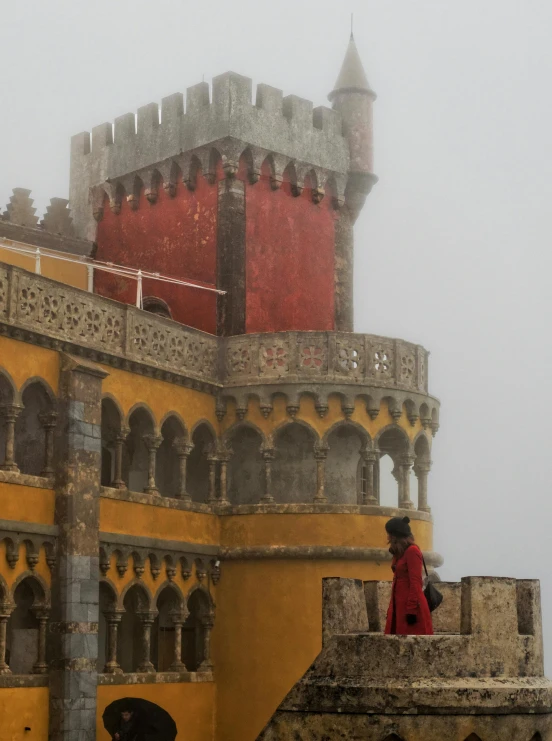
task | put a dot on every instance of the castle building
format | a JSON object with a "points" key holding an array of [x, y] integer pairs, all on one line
{"points": [[192, 434]]}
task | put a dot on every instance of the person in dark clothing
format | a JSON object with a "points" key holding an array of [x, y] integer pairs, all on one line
{"points": [[128, 727]]}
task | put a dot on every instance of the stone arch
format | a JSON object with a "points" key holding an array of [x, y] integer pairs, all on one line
{"points": [[29, 594], [346, 440], [294, 466], [204, 440], [169, 602], [141, 423], [173, 430], [8, 389], [137, 602], [38, 402], [246, 479], [196, 629], [290, 183], [108, 603], [111, 429], [5, 595], [421, 446]]}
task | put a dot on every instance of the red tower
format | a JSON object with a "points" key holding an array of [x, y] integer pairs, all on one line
{"points": [[257, 200]]}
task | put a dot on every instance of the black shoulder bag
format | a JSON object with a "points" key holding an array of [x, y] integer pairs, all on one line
{"points": [[432, 595]]}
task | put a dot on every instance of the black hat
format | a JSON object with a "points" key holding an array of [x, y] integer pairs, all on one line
{"points": [[399, 526]]}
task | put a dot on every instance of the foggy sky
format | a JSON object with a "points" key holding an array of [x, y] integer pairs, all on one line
{"points": [[453, 247]]}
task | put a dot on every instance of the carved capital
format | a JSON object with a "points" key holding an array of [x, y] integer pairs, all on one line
{"points": [[152, 441]]}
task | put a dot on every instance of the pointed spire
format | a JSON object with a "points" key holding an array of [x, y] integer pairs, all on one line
{"points": [[352, 77]]}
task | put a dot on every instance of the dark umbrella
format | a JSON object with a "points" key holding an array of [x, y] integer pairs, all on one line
{"points": [[155, 723]]}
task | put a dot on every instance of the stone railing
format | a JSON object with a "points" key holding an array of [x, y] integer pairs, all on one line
{"points": [[32, 303], [325, 357], [74, 320]]}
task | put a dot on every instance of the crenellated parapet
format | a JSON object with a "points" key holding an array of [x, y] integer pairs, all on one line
{"points": [[487, 679], [158, 143]]}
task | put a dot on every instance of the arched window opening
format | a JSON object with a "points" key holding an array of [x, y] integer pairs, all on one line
{"points": [[135, 631], [26, 629], [166, 640], [394, 445], [111, 473], [140, 436], [108, 631], [168, 463], [8, 413], [198, 463], [343, 466], [246, 479], [388, 496], [34, 432], [294, 468], [156, 306], [196, 633], [473, 737]]}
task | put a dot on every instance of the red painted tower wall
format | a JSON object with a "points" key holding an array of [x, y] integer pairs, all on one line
{"points": [[176, 236], [290, 253]]}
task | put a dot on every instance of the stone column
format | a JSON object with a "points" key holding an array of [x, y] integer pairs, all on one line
{"points": [[231, 256], [268, 456], [120, 439], [40, 666], [370, 458], [10, 413], [178, 618], [320, 455], [343, 271], [5, 612], [183, 450], [212, 495], [113, 619], [146, 618], [207, 621], [403, 477], [224, 458], [48, 422], [152, 444], [73, 638], [422, 469]]}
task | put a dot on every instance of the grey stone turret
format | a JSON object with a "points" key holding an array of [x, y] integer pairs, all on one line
{"points": [[353, 97]]}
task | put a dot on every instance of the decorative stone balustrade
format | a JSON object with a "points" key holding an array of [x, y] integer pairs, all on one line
{"points": [[53, 314]]}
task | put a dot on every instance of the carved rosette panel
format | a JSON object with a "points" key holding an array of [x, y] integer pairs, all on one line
{"points": [[239, 359], [274, 358], [157, 343], [312, 356], [407, 368], [3, 292], [69, 314], [381, 360], [349, 356]]}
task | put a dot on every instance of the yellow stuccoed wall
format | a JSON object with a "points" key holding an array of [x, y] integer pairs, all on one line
{"points": [[26, 504], [65, 272], [20, 707]]}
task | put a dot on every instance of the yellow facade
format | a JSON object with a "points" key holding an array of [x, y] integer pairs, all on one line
{"points": [[268, 610]]}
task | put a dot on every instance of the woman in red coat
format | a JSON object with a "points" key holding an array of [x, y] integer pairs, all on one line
{"points": [[408, 612]]}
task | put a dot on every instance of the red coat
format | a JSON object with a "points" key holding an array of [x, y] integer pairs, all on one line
{"points": [[407, 596]]}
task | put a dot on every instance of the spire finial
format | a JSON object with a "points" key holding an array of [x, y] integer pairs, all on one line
{"points": [[352, 19]]}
